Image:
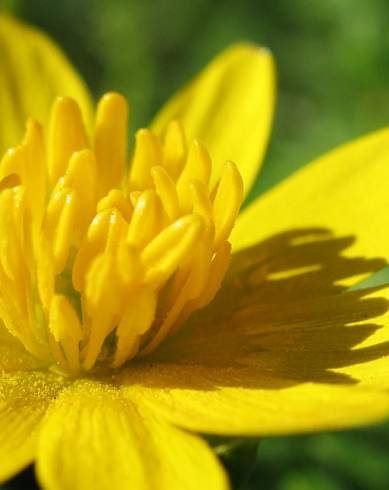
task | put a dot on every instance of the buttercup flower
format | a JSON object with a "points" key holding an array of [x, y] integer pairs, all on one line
{"points": [[123, 334]]}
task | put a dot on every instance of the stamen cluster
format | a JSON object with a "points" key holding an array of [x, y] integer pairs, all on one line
{"points": [[101, 260]]}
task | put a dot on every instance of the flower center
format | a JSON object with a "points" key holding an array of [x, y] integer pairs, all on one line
{"points": [[100, 261]]}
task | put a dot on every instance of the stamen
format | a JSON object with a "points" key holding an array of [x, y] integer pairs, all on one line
{"points": [[166, 190], [174, 149], [148, 153], [227, 201], [66, 135], [169, 249], [66, 329], [146, 219], [111, 141], [96, 266], [198, 167], [59, 223]]}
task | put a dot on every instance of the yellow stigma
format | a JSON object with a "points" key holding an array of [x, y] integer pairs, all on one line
{"points": [[101, 260]]}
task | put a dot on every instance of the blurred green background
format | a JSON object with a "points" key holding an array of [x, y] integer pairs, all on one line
{"points": [[333, 78]]}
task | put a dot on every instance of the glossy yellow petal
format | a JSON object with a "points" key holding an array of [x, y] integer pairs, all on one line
{"points": [[33, 71], [228, 106], [240, 402], [297, 264], [344, 191], [95, 438], [374, 347], [24, 398], [261, 361]]}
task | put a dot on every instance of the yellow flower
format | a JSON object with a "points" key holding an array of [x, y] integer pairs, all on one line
{"points": [[99, 264]]}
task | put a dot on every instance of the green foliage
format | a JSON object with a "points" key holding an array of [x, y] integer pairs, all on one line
{"points": [[333, 72], [350, 460]]}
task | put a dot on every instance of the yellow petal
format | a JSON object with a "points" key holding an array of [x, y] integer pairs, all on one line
{"points": [[24, 398], [234, 401], [94, 438], [260, 361], [33, 71], [372, 347], [228, 106], [344, 191]]}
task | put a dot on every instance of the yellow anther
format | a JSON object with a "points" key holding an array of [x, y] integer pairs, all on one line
{"points": [[96, 270], [147, 154], [35, 172], [111, 140], [136, 320], [174, 149], [66, 135], [174, 245], [45, 272], [200, 198], [27, 163], [65, 326], [102, 303], [218, 269], [116, 200], [59, 223], [13, 163], [197, 167], [200, 265], [81, 175], [95, 242], [101, 281], [117, 230], [12, 180], [134, 196], [92, 245], [146, 219], [11, 240], [166, 190], [192, 281], [129, 265], [227, 202]]}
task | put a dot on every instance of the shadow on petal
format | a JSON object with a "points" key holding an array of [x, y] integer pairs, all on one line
{"points": [[283, 317]]}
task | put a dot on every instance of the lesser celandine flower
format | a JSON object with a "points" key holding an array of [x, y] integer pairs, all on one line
{"points": [[107, 371]]}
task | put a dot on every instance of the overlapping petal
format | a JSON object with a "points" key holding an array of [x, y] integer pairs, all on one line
{"points": [[229, 106], [345, 191], [95, 438], [33, 71], [24, 398]]}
